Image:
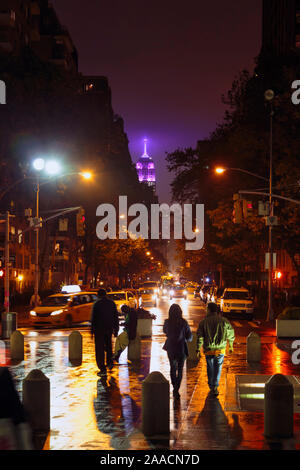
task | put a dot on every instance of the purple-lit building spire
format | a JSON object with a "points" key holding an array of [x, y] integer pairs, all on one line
{"points": [[146, 168]]}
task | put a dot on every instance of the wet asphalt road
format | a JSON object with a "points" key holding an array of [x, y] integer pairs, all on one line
{"points": [[92, 413]]}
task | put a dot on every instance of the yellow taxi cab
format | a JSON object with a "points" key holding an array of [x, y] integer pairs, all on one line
{"points": [[64, 309], [148, 295]]}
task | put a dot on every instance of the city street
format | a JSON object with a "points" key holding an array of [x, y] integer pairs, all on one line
{"points": [[92, 413]]}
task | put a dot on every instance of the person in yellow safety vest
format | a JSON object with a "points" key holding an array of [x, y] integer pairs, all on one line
{"points": [[214, 332]]}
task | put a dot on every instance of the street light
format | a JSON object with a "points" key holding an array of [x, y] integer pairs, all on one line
{"points": [[87, 175], [222, 170], [269, 98], [52, 168]]}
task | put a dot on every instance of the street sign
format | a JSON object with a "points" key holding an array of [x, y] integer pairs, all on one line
{"points": [[271, 221], [263, 208], [267, 261]]}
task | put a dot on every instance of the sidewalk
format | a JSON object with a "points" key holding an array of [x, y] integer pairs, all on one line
{"points": [[88, 413]]}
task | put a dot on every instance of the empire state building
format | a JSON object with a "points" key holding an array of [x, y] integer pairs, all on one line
{"points": [[146, 169]]}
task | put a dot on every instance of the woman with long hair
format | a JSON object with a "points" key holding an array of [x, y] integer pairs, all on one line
{"points": [[178, 333]]}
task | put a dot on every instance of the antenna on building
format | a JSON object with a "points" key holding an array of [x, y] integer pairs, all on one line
{"points": [[145, 148]]}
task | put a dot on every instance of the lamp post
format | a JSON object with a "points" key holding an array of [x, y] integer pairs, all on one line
{"points": [[269, 97]]}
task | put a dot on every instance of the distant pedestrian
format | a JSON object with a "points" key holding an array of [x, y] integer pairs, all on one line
{"points": [[129, 333], [34, 303], [213, 334], [104, 324], [178, 333]]}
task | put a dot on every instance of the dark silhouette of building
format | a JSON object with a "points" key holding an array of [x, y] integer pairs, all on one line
{"points": [[281, 27], [35, 24]]}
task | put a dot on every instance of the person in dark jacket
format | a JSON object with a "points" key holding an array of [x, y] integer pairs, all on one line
{"points": [[178, 333], [129, 333], [104, 324]]}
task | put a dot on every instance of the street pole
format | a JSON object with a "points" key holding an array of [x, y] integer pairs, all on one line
{"points": [[6, 254], [270, 282], [36, 279]]}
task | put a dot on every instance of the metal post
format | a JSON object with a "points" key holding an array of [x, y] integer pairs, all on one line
{"points": [[6, 279], [36, 281], [270, 284]]}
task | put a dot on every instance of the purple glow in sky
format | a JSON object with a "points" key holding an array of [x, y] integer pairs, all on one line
{"points": [[168, 63]]}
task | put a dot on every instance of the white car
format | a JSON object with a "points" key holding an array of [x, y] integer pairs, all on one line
{"points": [[123, 298], [237, 300]]}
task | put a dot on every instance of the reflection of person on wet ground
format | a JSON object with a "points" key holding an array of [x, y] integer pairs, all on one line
{"points": [[129, 333], [213, 334], [215, 423], [104, 323], [109, 412], [178, 333]]}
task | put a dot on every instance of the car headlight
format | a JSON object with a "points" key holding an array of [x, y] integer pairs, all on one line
{"points": [[33, 313], [185, 292], [56, 312]]}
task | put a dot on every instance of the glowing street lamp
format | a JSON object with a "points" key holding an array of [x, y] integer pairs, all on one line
{"points": [[220, 171], [52, 167], [87, 175]]}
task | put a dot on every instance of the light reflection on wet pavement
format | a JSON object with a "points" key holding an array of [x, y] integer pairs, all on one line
{"points": [[89, 413]]}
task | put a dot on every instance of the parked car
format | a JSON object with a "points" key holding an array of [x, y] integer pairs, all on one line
{"points": [[64, 309], [123, 298], [178, 291], [148, 296], [237, 300]]}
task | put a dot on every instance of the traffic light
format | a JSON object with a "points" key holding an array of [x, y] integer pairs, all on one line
{"points": [[278, 275], [247, 209], [80, 222], [238, 209], [2, 273]]}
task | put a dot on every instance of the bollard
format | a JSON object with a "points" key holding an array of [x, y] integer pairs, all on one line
{"points": [[17, 346], [9, 324], [279, 407], [192, 349], [134, 349], [155, 405], [36, 400], [144, 327], [75, 346], [253, 347]]}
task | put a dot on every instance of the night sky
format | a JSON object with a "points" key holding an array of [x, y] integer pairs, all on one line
{"points": [[168, 63]]}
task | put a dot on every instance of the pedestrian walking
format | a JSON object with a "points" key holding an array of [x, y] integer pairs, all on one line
{"points": [[213, 334], [32, 301], [178, 333], [104, 324], [129, 333]]}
